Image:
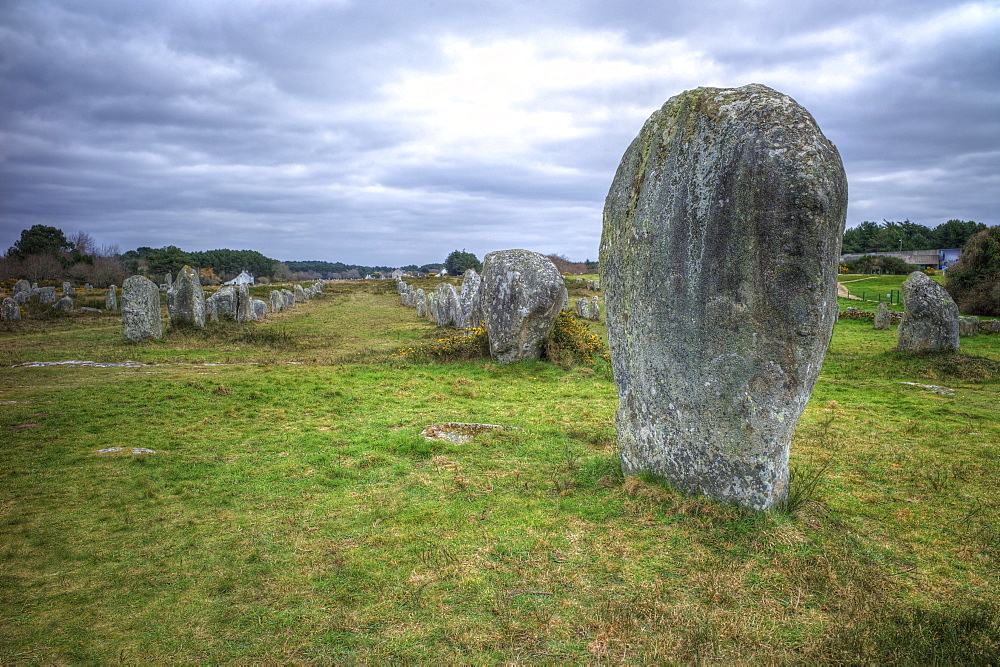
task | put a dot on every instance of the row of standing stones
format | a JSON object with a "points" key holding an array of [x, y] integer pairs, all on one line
{"points": [[23, 291], [187, 304], [517, 298]]}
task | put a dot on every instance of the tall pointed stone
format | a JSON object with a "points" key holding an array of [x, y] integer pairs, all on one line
{"points": [[186, 298], [719, 258]]}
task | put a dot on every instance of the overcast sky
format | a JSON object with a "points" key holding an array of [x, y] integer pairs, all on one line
{"points": [[392, 132]]}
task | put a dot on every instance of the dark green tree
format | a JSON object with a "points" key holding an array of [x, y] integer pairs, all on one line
{"points": [[954, 233], [168, 259], [881, 264], [974, 282], [40, 240], [459, 261]]}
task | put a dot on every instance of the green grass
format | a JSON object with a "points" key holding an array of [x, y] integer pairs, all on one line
{"points": [[293, 512]]}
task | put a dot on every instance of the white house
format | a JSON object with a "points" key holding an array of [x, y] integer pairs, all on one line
{"points": [[243, 279]]}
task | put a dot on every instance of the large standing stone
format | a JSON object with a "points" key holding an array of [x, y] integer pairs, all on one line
{"points": [[21, 286], [244, 305], [67, 288], [47, 294], [64, 304], [186, 299], [141, 309], [259, 309], [449, 307], [277, 301], [300, 294], [583, 308], [111, 298], [420, 302], [522, 294], [882, 321], [719, 258], [289, 298], [10, 310], [469, 297], [930, 317]]}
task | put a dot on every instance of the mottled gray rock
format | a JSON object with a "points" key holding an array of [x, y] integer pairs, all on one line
{"points": [[141, 309], [222, 305], [968, 326], [930, 317], [67, 288], [583, 308], [595, 309], [449, 307], [300, 294], [168, 281], [881, 320], [991, 326], [719, 257], [88, 287], [289, 298], [186, 299], [259, 309], [10, 310], [522, 294], [111, 298], [244, 307], [47, 294], [432, 306], [472, 282], [277, 301], [64, 304], [21, 286], [420, 302], [20, 297]]}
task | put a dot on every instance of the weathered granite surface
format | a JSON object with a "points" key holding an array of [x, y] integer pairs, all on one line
{"points": [[930, 317], [719, 256], [141, 309]]}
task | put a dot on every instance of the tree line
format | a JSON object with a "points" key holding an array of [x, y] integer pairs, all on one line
{"points": [[889, 236]]}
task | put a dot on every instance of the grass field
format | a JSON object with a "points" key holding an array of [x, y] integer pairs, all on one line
{"points": [[292, 512]]}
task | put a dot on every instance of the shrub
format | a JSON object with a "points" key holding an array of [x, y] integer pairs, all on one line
{"points": [[571, 341], [974, 282], [461, 345]]}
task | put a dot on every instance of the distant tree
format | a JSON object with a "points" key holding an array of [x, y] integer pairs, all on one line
{"points": [[40, 240], [974, 282], [954, 233], [564, 265], [427, 268], [459, 261], [168, 259]]}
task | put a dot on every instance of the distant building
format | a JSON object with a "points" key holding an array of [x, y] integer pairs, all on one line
{"points": [[243, 279], [929, 259]]}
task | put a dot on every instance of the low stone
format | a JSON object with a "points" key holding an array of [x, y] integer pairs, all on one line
{"points": [[595, 309], [259, 309], [968, 326], [277, 301], [21, 297], [991, 326], [930, 317], [141, 309], [522, 294], [222, 304], [461, 433], [10, 310], [88, 287], [881, 321], [88, 309], [583, 308], [67, 288], [111, 298], [64, 304]]}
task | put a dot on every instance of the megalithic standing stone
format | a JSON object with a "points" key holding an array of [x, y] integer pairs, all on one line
{"points": [[719, 257]]}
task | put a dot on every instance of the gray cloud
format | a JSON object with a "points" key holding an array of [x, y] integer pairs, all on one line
{"points": [[391, 132]]}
